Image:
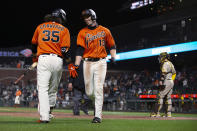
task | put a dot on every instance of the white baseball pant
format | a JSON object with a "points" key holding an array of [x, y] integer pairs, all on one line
{"points": [[17, 100], [94, 77], [49, 72]]}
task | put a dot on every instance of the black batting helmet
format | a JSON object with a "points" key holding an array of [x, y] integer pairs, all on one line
{"points": [[87, 13], [60, 13]]}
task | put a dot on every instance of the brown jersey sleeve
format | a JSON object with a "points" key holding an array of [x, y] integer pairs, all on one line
{"points": [[65, 38], [109, 39]]}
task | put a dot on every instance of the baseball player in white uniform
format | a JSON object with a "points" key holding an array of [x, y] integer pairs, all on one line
{"points": [[51, 41], [168, 74], [91, 47]]}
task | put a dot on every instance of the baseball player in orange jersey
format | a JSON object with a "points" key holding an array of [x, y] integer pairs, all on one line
{"points": [[91, 47], [51, 41], [17, 98]]}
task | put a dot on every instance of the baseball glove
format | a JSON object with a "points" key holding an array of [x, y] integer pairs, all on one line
{"points": [[73, 70], [161, 85]]}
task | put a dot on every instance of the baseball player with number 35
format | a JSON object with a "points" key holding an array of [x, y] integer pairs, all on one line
{"points": [[51, 42], [91, 47]]}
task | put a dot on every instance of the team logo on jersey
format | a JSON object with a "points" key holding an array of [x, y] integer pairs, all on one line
{"points": [[89, 37]]}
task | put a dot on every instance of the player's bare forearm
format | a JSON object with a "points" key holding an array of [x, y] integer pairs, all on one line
{"points": [[78, 60], [113, 53]]}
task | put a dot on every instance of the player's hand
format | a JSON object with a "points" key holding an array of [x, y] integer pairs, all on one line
{"points": [[73, 70], [70, 86], [112, 60], [161, 85], [35, 59]]}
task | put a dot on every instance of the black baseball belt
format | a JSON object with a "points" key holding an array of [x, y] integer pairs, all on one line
{"points": [[93, 59]]}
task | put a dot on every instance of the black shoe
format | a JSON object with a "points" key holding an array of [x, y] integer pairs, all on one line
{"points": [[96, 120], [76, 114], [39, 121]]}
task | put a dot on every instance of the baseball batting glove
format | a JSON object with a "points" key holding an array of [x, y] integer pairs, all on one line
{"points": [[73, 70], [112, 61]]}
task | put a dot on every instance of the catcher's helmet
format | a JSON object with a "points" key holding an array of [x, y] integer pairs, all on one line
{"points": [[87, 13], [60, 13], [163, 56]]}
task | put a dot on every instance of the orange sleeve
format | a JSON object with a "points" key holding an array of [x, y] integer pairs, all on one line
{"points": [[35, 37], [66, 38], [109, 40], [81, 40]]}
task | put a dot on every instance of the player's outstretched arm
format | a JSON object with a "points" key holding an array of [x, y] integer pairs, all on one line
{"points": [[113, 53], [78, 60], [79, 54], [113, 56]]}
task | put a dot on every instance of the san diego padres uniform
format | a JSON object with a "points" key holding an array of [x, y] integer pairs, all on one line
{"points": [[95, 41], [168, 70], [50, 38]]}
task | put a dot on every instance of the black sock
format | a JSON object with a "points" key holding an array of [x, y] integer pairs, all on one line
{"points": [[51, 109]]}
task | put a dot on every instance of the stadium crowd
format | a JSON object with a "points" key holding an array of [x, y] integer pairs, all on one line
{"points": [[118, 86]]}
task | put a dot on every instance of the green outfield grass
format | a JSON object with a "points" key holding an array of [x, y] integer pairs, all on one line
{"points": [[8, 123]]}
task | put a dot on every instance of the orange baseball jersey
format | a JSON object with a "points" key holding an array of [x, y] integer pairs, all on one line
{"points": [[18, 93], [95, 41], [50, 37]]}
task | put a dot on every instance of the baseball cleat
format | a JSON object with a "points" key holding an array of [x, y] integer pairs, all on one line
{"points": [[169, 114], [152, 115], [40, 121], [51, 116], [158, 115], [166, 116], [96, 120]]}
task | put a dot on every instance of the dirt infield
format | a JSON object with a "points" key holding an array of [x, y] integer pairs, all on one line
{"points": [[69, 115]]}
